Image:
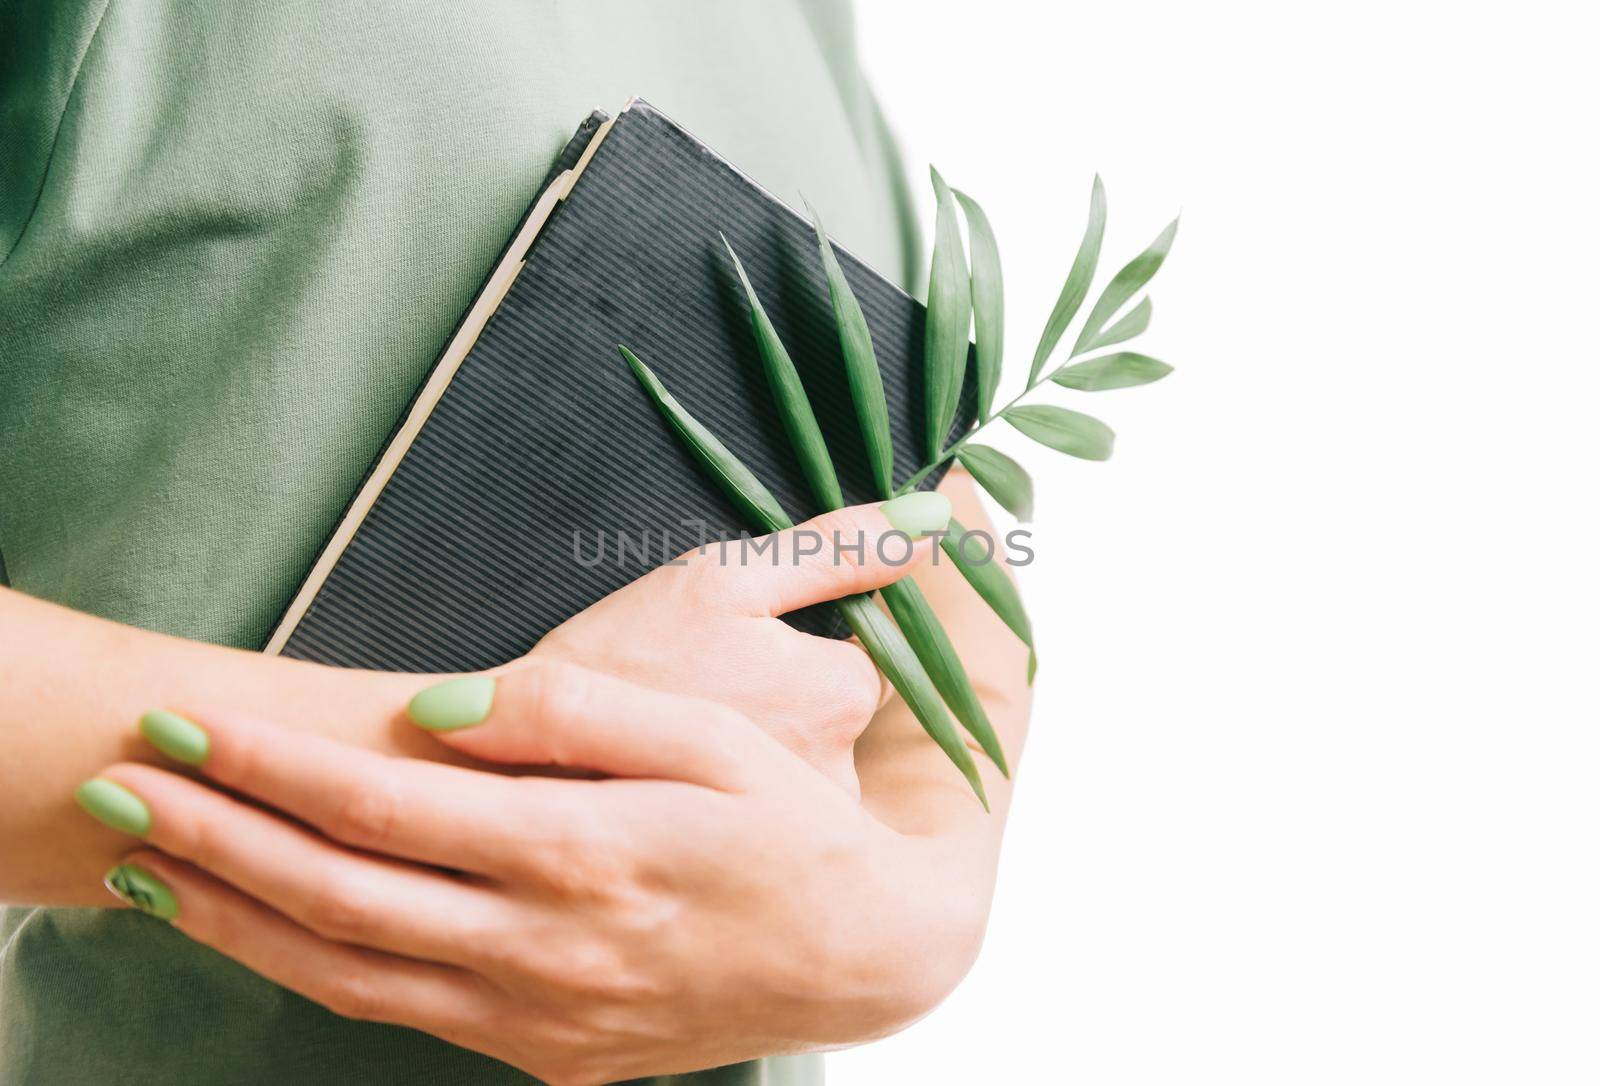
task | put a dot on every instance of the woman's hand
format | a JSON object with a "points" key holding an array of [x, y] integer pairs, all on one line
{"points": [[707, 626], [714, 900]]}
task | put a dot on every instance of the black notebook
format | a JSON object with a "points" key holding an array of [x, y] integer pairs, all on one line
{"points": [[531, 475]]}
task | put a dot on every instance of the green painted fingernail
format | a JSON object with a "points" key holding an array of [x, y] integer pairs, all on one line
{"points": [[175, 737], [918, 513], [141, 889], [114, 805], [454, 703]]}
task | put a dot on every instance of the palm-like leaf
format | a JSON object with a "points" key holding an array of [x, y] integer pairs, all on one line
{"points": [[736, 481], [1071, 432], [1124, 369], [988, 302], [1076, 288], [798, 420], [988, 578], [1002, 477], [1133, 324], [945, 340], [916, 618], [1125, 284], [860, 365]]}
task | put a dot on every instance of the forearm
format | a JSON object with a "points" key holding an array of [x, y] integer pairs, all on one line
{"points": [[75, 687]]}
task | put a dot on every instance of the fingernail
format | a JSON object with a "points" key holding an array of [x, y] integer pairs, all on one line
{"points": [[454, 703], [114, 805], [177, 738], [141, 889], [918, 513]]}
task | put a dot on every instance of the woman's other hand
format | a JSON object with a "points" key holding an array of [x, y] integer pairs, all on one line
{"points": [[712, 899], [708, 626]]}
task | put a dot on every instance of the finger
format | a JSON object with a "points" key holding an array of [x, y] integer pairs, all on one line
{"points": [[350, 981], [550, 712], [841, 694], [885, 687], [837, 554], [340, 894], [857, 682], [403, 807]]}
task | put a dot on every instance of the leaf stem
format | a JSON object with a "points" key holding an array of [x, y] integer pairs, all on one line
{"points": [[954, 450]]}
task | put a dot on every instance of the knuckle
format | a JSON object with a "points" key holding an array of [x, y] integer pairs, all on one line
{"points": [[244, 756], [862, 686], [634, 985], [354, 996], [366, 815], [584, 875], [510, 957], [584, 966], [557, 693], [577, 856], [205, 842], [840, 694], [339, 910]]}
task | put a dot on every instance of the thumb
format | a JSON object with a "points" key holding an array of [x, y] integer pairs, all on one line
{"points": [[838, 554]]}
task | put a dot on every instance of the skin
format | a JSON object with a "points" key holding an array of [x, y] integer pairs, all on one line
{"points": [[727, 888]]}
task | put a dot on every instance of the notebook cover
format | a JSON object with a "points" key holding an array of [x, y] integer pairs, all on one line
{"points": [[544, 478]]}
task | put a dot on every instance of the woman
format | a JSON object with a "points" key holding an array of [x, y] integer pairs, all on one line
{"points": [[233, 239]]}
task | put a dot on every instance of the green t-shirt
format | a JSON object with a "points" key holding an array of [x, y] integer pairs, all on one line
{"points": [[232, 239]]}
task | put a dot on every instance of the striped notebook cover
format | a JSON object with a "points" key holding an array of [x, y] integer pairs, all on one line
{"points": [[531, 476]]}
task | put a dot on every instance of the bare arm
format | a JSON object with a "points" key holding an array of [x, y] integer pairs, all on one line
{"points": [[75, 686]]}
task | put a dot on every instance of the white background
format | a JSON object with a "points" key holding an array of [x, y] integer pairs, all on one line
{"points": [[1314, 781]]}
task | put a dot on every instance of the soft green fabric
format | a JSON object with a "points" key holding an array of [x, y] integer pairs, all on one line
{"points": [[232, 238]]}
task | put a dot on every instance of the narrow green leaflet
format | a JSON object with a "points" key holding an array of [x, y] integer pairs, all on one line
{"points": [[1076, 288], [988, 578], [1002, 477], [742, 487], [1124, 285], [1071, 432], [1124, 369], [804, 433], [882, 639], [861, 366], [895, 658], [945, 340], [988, 302], [1134, 324], [918, 624], [928, 639]]}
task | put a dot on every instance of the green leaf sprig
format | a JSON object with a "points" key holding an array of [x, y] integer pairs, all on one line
{"points": [[914, 651], [1071, 432]]}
